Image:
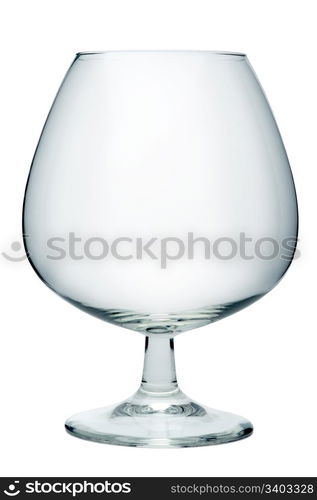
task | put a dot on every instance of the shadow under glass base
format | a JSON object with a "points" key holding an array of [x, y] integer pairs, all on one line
{"points": [[158, 421]]}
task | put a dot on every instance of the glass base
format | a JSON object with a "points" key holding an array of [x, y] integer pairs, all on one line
{"points": [[158, 421]]}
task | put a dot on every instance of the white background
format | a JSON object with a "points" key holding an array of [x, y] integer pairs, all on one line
{"points": [[56, 360]]}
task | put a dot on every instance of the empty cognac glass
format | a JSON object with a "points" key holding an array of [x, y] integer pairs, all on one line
{"points": [[160, 199]]}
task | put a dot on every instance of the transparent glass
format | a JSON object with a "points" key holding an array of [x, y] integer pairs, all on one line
{"points": [[160, 199]]}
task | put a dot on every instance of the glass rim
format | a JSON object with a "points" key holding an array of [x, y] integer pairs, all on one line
{"points": [[132, 52]]}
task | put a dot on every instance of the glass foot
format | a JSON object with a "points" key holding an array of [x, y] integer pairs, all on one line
{"points": [[158, 421]]}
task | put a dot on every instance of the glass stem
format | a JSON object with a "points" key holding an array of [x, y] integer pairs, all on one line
{"points": [[159, 373]]}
